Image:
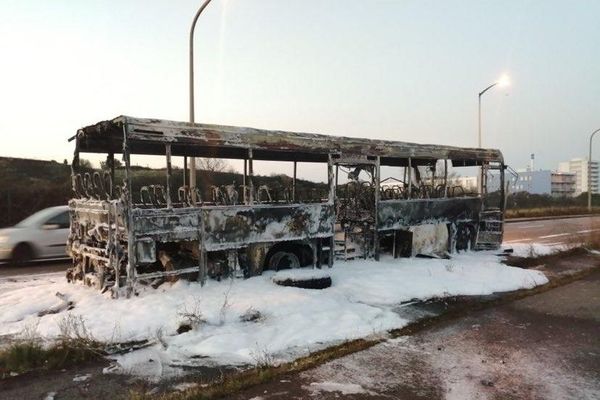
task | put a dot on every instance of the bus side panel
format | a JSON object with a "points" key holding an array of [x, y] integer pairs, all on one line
{"points": [[229, 227], [401, 214], [166, 225]]}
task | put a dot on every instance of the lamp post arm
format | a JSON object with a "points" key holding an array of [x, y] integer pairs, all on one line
{"points": [[192, 176], [487, 88], [191, 50]]}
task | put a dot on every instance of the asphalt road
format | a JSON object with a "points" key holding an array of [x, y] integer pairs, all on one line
{"points": [[552, 231], [41, 267]]}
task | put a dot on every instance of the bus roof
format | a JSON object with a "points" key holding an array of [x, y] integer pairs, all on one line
{"points": [[149, 136]]}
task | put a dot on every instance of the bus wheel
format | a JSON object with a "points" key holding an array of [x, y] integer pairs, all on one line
{"points": [[283, 260]]}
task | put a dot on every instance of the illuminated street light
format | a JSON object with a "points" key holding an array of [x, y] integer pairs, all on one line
{"points": [[504, 81]]}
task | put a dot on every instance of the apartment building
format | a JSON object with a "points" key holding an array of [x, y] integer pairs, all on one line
{"points": [[581, 167]]}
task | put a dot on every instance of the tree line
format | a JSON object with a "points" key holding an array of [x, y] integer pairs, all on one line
{"points": [[27, 186]]}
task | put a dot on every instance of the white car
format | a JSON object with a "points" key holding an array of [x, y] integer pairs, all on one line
{"points": [[42, 235]]}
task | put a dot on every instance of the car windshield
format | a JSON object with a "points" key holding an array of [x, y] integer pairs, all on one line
{"points": [[37, 218]]}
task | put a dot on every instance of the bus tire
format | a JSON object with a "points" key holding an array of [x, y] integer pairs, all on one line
{"points": [[283, 260], [313, 283]]}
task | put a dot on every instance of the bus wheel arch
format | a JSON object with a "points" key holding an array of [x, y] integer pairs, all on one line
{"points": [[288, 255]]}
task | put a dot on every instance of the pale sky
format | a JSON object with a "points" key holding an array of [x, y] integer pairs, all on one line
{"points": [[399, 70]]}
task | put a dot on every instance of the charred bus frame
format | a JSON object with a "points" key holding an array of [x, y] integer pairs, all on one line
{"points": [[116, 242]]}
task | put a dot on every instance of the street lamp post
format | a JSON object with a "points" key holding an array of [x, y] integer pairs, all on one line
{"points": [[479, 113], [503, 81], [589, 172], [191, 89]]}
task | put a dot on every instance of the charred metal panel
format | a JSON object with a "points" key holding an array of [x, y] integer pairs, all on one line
{"points": [[145, 250], [236, 226], [431, 239], [90, 221], [400, 214], [166, 225], [491, 230], [97, 232], [90, 212]]}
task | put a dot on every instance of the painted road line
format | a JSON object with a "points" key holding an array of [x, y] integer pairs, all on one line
{"points": [[588, 230], [553, 236], [517, 241], [531, 226]]}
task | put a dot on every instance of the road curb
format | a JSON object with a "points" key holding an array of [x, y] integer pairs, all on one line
{"points": [[515, 220]]}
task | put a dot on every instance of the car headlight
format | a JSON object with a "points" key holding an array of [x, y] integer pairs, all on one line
{"points": [[3, 239]]}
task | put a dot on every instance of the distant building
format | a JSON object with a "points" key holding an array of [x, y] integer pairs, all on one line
{"points": [[563, 184], [468, 183], [534, 182], [580, 167], [471, 183], [559, 184]]}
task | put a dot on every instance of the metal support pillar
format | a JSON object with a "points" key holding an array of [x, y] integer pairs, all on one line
{"points": [[445, 178], [377, 182], [185, 183], [111, 161], [130, 242], [169, 172], [251, 181], [332, 190], [409, 178], [294, 183], [244, 179], [315, 251]]}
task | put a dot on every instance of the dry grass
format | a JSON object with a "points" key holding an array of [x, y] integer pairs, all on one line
{"points": [[536, 261], [548, 212], [235, 382], [74, 346]]}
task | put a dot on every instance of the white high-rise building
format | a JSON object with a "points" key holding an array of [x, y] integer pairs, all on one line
{"points": [[580, 167]]}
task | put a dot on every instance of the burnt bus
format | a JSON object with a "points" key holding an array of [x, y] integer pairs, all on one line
{"points": [[124, 233]]}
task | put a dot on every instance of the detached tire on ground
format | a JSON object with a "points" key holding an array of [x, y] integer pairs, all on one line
{"points": [[303, 278]]}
